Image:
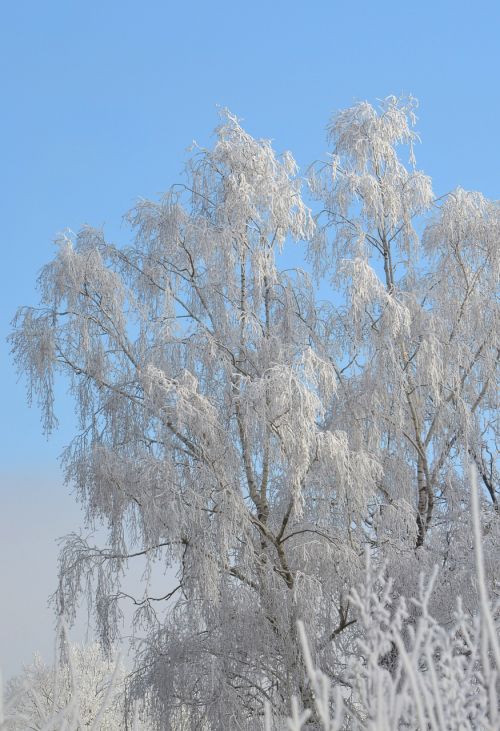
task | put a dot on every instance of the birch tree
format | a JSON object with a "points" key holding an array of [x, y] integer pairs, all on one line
{"points": [[253, 438]]}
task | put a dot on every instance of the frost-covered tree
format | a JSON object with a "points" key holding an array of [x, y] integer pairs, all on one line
{"points": [[83, 690], [253, 438]]}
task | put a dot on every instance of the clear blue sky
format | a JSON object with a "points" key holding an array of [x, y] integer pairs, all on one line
{"points": [[100, 100]]}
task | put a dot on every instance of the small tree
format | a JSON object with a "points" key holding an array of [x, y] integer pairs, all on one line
{"points": [[254, 438], [79, 689]]}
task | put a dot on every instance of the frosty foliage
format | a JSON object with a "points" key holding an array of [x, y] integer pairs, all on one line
{"points": [[257, 440]]}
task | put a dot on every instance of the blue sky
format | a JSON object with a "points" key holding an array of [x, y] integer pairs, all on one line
{"points": [[101, 100]]}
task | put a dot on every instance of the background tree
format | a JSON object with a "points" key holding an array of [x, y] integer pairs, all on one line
{"points": [[85, 687], [235, 428]]}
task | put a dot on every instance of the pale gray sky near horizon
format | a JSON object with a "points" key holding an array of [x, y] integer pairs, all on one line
{"points": [[35, 510], [101, 99]]}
